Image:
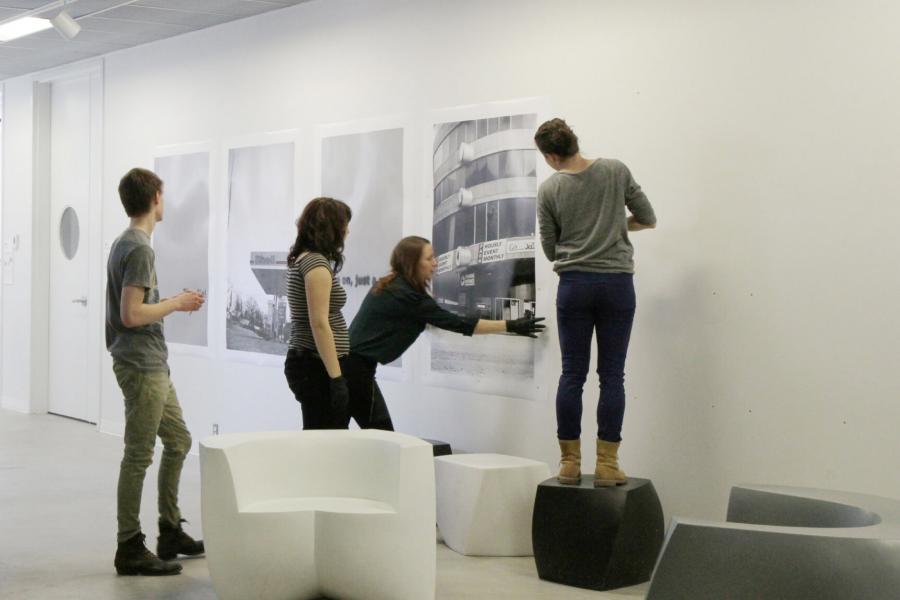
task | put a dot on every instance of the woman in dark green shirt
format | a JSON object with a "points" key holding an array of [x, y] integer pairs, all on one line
{"points": [[392, 316]]}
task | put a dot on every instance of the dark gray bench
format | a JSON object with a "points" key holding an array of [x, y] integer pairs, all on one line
{"points": [[785, 543]]}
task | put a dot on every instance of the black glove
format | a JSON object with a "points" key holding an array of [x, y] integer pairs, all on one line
{"points": [[340, 402], [525, 326]]}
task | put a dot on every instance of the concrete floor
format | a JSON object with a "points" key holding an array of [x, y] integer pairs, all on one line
{"points": [[58, 515]]}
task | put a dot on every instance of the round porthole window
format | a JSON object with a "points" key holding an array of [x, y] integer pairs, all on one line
{"points": [[69, 232]]}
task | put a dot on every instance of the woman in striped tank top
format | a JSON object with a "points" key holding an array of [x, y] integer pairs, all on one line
{"points": [[319, 339]]}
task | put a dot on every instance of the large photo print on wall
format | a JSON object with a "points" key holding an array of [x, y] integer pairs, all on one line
{"points": [[181, 240], [365, 170], [259, 231], [484, 188]]}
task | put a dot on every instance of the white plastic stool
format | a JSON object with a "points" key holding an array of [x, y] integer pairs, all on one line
{"points": [[485, 502]]}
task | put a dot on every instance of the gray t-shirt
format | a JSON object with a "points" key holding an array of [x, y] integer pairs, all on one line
{"points": [[131, 263], [583, 225]]}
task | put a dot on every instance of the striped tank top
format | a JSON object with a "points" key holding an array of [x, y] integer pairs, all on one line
{"points": [[301, 331]]}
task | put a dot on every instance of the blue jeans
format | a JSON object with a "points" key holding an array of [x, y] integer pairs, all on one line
{"points": [[586, 302]]}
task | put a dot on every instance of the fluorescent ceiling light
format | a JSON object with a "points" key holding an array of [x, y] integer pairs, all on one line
{"points": [[22, 27]]}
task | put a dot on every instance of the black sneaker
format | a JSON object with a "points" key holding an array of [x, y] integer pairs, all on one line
{"points": [[173, 541], [133, 558]]}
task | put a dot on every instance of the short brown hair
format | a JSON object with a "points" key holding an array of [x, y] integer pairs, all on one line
{"points": [[556, 137], [405, 263], [321, 228], [137, 189]]}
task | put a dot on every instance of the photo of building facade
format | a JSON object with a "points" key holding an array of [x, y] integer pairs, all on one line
{"points": [[484, 191]]}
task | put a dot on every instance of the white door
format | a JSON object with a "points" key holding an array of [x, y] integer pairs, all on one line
{"points": [[70, 194]]}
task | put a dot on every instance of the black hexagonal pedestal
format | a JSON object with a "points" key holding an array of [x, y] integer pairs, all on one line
{"points": [[597, 538], [440, 448]]}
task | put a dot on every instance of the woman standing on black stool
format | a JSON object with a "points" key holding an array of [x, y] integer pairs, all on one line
{"points": [[319, 338], [584, 232]]}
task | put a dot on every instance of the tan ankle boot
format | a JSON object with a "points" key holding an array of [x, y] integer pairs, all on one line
{"points": [[607, 473], [570, 463]]}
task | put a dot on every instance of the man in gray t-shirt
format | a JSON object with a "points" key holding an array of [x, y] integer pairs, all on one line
{"points": [[134, 337], [131, 263]]}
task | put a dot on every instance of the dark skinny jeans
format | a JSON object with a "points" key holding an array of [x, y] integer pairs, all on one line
{"points": [[588, 302], [308, 379]]}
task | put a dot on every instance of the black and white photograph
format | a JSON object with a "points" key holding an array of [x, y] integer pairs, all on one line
{"points": [[365, 170], [181, 241], [484, 186], [259, 230]]}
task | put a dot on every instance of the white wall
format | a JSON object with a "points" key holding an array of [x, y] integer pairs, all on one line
{"points": [[2, 242], [18, 131], [766, 135]]}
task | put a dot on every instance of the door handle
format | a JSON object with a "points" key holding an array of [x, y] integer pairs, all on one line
{"points": [[82, 301]]}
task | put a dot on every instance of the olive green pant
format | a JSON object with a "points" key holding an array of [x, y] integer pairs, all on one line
{"points": [[151, 409]]}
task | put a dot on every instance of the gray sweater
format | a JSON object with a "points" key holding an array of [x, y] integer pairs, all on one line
{"points": [[583, 225]]}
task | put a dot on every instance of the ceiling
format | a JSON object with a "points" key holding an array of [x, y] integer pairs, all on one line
{"points": [[109, 25]]}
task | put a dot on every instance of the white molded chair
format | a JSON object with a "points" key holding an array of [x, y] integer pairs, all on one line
{"points": [[305, 514], [485, 502]]}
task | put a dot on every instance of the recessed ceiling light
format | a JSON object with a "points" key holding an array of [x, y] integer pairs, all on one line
{"points": [[22, 27]]}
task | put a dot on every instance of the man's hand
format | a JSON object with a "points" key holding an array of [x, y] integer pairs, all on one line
{"points": [[188, 301], [525, 326]]}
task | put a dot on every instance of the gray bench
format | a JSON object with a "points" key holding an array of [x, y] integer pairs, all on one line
{"points": [[785, 543]]}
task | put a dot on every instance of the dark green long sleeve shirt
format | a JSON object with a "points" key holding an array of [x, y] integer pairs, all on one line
{"points": [[388, 323]]}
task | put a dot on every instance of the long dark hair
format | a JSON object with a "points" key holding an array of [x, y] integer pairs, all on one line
{"points": [[321, 228], [405, 262]]}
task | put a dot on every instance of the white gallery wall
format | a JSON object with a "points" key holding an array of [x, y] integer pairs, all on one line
{"points": [[766, 134], [18, 134]]}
